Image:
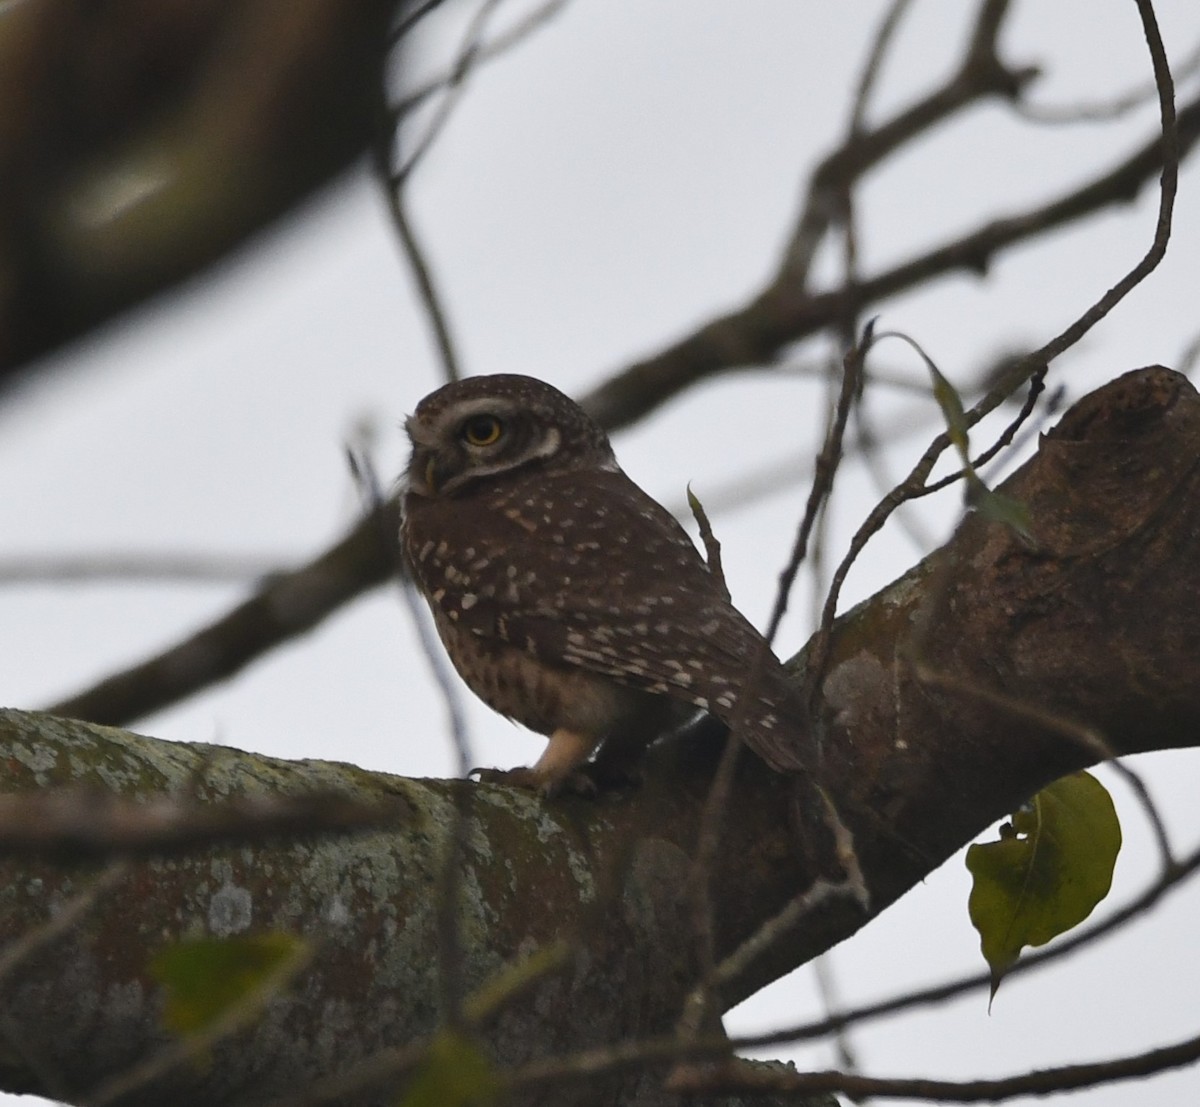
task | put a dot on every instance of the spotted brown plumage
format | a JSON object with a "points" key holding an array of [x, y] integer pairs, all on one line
{"points": [[566, 597]]}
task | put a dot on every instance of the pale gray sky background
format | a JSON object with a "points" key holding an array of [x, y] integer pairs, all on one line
{"points": [[626, 173]]}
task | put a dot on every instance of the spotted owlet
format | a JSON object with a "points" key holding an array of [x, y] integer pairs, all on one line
{"points": [[567, 598]]}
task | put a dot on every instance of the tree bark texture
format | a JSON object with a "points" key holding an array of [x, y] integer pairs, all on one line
{"points": [[949, 698]]}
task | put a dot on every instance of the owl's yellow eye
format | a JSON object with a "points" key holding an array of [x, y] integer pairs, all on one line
{"points": [[481, 430]]}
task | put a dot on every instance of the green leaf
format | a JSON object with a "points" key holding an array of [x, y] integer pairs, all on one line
{"points": [[206, 979], [454, 1073], [1051, 866], [1003, 509], [950, 402]]}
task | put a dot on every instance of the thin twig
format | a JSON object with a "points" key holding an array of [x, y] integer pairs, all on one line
{"points": [[499, 44], [696, 1008], [762, 1080], [980, 75], [867, 445], [1087, 737], [18, 951], [383, 152], [71, 825], [455, 86], [827, 991], [712, 547], [411, 19], [422, 272], [753, 333], [651, 1052], [1190, 356], [881, 43], [389, 1066], [1033, 364], [784, 922], [139, 568], [1115, 107], [824, 470], [449, 887], [238, 1015], [933, 995]]}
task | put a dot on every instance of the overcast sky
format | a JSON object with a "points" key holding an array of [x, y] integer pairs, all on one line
{"points": [[625, 174]]}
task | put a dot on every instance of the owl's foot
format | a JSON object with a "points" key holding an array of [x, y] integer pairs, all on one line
{"points": [[564, 768], [577, 782]]}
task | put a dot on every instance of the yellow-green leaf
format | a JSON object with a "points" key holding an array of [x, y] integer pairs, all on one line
{"points": [[950, 402], [454, 1073], [207, 978], [1003, 509], [1051, 866]]}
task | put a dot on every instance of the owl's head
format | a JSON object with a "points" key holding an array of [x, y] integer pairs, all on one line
{"points": [[483, 427]]}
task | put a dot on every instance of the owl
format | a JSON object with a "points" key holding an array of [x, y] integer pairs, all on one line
{"points": [[567, 598]]}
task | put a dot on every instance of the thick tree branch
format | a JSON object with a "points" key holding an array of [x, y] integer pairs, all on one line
{"points": [[1091, 626], [140, 143], [287, 605]]}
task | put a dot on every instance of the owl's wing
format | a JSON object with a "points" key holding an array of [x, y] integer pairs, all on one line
{"points": [[588, 570]]}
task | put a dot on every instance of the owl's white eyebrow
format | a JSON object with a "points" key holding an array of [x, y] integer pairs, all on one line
{"points": [[466, 408], [549, 445], [419, 431]]}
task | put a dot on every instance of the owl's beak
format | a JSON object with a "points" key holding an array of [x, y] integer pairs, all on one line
{"points": [[422, 468], [428, 472], [423, 472]]}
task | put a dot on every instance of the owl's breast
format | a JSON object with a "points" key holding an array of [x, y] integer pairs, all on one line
{"points": [[538, 694]]}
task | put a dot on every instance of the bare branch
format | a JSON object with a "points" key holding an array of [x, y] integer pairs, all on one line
{"points": [[1115, 107], [483, 51], [289, 605], [1033, 365], [431, 299], [754, 333], [980, 75], [779, 1079], [936, 994], [74, 825], [139, 568], [824, 470]]}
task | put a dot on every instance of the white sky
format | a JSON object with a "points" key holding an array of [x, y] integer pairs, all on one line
{"points": [[622, 176]]}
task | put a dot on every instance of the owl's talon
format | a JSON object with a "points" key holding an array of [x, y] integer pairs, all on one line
{"points": [[578, 782], [520, 777]]}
